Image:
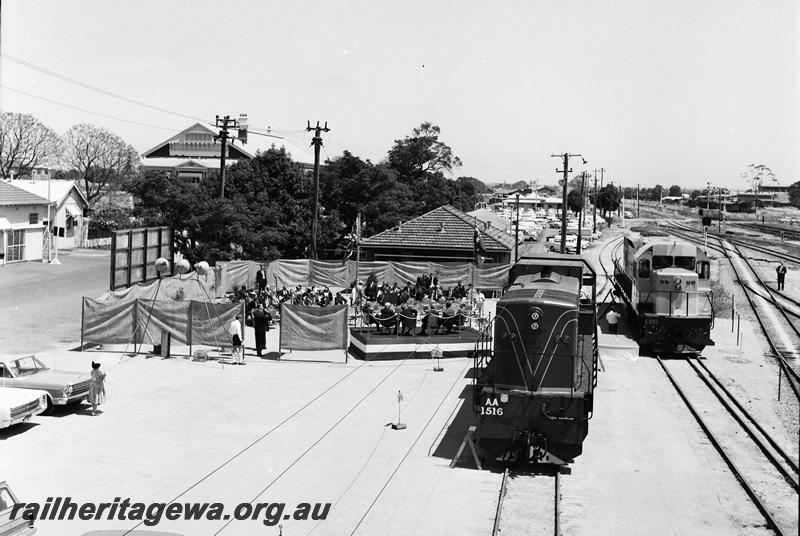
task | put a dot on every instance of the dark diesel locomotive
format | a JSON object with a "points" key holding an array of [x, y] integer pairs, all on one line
{"points": [[536, 364], [666, 285]]}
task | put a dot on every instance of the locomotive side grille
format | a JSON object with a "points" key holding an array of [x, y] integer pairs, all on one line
{"points": [[548, 294]]}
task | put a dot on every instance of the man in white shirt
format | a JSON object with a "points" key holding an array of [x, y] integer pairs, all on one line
{"points": [[235, 331], [612, 317]]}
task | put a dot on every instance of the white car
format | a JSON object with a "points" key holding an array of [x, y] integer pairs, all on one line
{"points": [[19, 405], [17, 526]]}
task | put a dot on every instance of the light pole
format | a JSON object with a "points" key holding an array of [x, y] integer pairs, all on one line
{"points": [[516, 233]]}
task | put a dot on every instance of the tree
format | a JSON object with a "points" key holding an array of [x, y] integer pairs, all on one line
{"points": [[102, 158], [657, 193], [25, 143], [675, 191], [756, 174], [608, 199], [422, 154], [575, 201], [794, 194], [265, 215]]}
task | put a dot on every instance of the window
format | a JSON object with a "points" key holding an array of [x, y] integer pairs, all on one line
{"points": [[703, 269], [687, 263], [661, 261], [644, 268], [33, 218]]}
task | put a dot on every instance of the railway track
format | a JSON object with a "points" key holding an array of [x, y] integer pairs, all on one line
{"points": [[791, 234], [777, 321], [524, 489], [739, 242], [765, 471]]}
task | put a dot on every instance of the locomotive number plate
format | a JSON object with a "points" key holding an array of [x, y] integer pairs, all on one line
{"points": [[492, 406]]}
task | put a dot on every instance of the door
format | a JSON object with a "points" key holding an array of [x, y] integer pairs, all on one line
{"points": [[16, 246]]}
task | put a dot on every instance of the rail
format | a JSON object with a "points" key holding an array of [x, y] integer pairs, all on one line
{"points": [[748, 488]]}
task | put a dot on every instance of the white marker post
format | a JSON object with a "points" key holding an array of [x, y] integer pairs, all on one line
{"points": [[437, 353], [399, 425]]}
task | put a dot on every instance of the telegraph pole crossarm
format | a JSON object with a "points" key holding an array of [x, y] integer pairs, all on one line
{"points": [[316, 141]]}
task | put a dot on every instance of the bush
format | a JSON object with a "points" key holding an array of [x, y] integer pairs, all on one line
{"points": [[107, 219]]}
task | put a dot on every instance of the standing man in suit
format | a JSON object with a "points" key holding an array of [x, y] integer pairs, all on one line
{"points": [[261, 320], [261, 279], [781, 271]]}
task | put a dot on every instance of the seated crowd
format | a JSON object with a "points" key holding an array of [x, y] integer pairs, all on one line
{"points": [[399, 308], [393, 308]]}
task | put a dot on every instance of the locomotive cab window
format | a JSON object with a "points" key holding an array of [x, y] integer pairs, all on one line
{"points": [[644, 268], [661, 261], [687, 263], [703, 269]]}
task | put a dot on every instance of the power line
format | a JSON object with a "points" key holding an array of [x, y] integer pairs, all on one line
{"points": [[84, 109], [90, 87]]}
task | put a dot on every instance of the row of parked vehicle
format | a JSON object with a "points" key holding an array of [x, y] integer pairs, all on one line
{"points": [[28, 388]]}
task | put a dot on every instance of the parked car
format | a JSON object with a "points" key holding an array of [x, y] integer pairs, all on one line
{"points": [[19, 405], [8, 526], [61, 387]]}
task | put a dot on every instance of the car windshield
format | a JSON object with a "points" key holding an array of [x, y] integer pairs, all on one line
{"points": [[6, 501], [26, 366]]}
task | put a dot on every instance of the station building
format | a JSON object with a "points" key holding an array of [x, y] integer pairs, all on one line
{"points": [[445, 234], [193, 153]]}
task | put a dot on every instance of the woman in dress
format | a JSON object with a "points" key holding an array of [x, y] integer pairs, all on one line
{"points": [[97, 389]]}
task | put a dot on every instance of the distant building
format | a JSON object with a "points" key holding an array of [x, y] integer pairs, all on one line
{"points": [[68, 208], [23, 222], [192, 154], [441, 235]]}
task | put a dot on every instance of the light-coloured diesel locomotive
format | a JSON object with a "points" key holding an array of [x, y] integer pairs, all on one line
{"points": [[666, 285]]}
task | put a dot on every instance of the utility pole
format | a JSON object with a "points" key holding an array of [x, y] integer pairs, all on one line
{"points": [[224, 124], [580, 221], [719, 203], [516, 233], [594, 205], [637, 200], [602, 170], [566, 170], [316, 141]]}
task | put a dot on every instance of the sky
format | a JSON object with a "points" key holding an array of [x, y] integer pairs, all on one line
{"points": [[681, 92]]}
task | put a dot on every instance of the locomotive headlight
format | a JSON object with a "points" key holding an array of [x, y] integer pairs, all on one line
{"points": [[535, 316]]}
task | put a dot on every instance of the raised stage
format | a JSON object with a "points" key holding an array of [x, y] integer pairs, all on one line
{"points": [[369, 344]]}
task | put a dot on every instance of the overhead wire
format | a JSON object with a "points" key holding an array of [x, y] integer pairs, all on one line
{"points": [[459, 377], [96, 89], [257, 440], [323, 436], [78, 108]]}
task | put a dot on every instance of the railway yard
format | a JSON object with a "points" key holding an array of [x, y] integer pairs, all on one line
{"points": [[696, 444]]}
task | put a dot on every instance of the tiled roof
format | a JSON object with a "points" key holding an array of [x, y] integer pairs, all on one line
{"points": [[495, 220], [255, 143], [11, 195], [443, 228], [59, 189]]}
